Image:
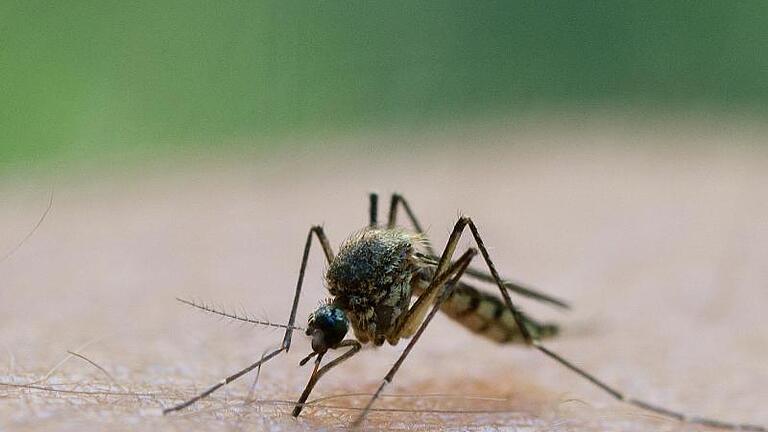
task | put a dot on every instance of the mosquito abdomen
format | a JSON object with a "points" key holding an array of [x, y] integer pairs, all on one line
{"points": [[488, 315], [485, 314]]}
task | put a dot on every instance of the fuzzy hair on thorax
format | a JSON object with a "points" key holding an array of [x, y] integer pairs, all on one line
{"points": [[370, 278]]}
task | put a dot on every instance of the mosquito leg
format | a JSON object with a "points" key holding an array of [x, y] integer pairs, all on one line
{"points": [[326, 245], [440, 280], [392, 219], [445, 259], [444, 262], [591, 378], [458, 229], [520, 289], [354, 349], [412, 318], [286, 345], [524, 291], [645, 405], [475, 273], [373, 209], [224, 382]]}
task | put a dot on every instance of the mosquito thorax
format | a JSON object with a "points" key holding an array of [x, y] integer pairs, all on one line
{"points": [[327, 325], [370, 278], [369, 261]]}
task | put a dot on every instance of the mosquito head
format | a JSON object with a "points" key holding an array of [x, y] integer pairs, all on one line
{"points": [[327, 325]]}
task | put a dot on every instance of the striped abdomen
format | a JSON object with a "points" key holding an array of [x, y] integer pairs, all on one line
{"points": [[487, 315]]}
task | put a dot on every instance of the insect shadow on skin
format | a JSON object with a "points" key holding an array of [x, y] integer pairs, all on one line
{"points": [[371, 281]]}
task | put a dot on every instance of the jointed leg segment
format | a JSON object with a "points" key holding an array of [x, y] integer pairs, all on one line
{"points": [[445, 270], [224, 382], [326, 245], [439, 281], [373, 210], [392, 219], [416, 319], [398, 201], [286, 344], [444, 263], [645, 405], [318, 373], [450, 247]]}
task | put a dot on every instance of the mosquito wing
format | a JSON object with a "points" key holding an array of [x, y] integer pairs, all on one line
{"points": [[515, 287]]}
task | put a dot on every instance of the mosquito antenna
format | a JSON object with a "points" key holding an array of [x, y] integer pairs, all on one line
{"points": [[209, 309], [32, 231], [645, 405]]}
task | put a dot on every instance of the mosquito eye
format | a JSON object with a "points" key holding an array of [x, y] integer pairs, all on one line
{"points": [[331, 323]]}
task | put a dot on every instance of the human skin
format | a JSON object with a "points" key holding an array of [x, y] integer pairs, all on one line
{"points": [[660, 250]]}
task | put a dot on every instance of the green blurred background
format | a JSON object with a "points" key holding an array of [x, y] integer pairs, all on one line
{"points": [[82, 80]]}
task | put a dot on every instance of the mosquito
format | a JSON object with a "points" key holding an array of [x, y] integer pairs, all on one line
{"points": [[371, 282]]}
